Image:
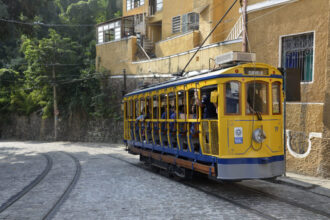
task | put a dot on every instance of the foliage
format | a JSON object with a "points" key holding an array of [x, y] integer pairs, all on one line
{"points": [[29, 54]]}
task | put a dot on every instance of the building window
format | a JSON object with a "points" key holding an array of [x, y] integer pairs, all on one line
{"points": [[190, 21], [109, 32], [131, 4], [159, 5], [298, 53], [176, 24]]}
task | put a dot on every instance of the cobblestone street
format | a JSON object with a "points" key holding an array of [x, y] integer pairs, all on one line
{"points": [[102, 181]]}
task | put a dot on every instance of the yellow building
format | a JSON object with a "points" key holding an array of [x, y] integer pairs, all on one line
{"points": [[158, 37]]}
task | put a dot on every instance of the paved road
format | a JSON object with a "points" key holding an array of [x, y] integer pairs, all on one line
{"points": [[110, 188]]}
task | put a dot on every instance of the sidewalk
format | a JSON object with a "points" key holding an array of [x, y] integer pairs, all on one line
{"points": [[314, 184]]}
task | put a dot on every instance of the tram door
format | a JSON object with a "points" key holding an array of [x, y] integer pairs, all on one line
{"points": [[209, 122]]}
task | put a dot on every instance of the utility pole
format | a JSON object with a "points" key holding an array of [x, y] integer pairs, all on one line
{"points": [[244, 32], [55, 104]]}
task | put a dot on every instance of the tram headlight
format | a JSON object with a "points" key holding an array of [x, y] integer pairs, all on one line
{"points": [[258, 135]]}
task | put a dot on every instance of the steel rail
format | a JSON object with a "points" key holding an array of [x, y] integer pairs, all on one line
{"points": [[52, 211], [30, 186], [243, 206]]}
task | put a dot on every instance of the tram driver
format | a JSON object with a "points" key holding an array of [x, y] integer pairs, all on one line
{"points": [[209, 109]]}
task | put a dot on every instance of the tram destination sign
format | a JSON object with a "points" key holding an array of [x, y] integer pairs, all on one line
{"points": [[255, 71]]}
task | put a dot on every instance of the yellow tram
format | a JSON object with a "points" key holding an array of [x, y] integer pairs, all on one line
{"points": [[173, 125]]}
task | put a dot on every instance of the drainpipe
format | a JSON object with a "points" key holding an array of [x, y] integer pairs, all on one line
{"points": [[244, 15]]}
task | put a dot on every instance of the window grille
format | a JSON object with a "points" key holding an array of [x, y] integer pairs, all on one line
{"points": [[176, 24], [190, 21], [298, 52]]}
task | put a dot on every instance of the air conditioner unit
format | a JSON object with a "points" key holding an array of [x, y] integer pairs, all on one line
{"points": [[234, 56]]}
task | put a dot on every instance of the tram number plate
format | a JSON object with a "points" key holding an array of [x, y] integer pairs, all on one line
{"points": [[238, 135]]}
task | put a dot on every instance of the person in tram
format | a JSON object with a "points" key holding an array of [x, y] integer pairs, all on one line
{"points": [[209, 108]]}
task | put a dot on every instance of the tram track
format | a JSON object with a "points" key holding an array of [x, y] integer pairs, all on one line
{"points": [[234, 188], [60, 200], [30, 186], [243, 206], [52, 211]]}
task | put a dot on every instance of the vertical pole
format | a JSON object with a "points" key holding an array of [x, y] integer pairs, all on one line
{"points": [[124, 77], [284, 119], [55, 104], [244, 16]]}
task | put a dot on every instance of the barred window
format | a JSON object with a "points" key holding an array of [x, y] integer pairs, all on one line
{"points": [[298, 53], [176, 24], [131, 4], [190, 21]]}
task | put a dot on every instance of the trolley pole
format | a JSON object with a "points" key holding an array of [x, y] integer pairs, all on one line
{"points": [[244, 16], [55, 104]]}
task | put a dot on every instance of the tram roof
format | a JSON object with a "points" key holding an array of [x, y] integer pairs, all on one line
{"points": [[213, 74]]}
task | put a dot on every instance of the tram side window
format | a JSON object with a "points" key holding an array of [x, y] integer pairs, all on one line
{"points": [[155, 107], [142, 109], [148, 108], [193, 110], [209, 106], [182, 105], [171, 105], [163, 106], [276, 94], [137, 113], [125, 110], [257, 98], [130, 109], [232, 97]]}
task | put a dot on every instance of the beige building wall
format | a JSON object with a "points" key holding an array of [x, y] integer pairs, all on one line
{"points": [[175, 63], [116, 55], [142, 9], [177, 44], [165, 65], [305, 118], [218, 9]]}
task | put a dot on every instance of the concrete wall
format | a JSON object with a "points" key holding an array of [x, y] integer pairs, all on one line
{"points": [[305, 118], [116, 55], [176, 63], [178, 44]]}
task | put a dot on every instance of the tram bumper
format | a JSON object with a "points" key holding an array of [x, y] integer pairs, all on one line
{"points": [[256, 168]]}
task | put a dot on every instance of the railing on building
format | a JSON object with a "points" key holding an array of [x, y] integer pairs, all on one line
{"points": [[237, 30]]}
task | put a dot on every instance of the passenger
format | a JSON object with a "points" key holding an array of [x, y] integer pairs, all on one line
{"points": [[209, 108], [182, 115], [172, 116], [193, 112]]}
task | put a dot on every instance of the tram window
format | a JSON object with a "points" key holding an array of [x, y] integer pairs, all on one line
{"points": [[209, 109], [155, 107], [163, 106], [125, 110], [131, 109], [193, 110], [182, 105], [137, 113], [148, 108], [142, 107], [171, 105], [232, 97], [276, 93], [257, 97]]}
